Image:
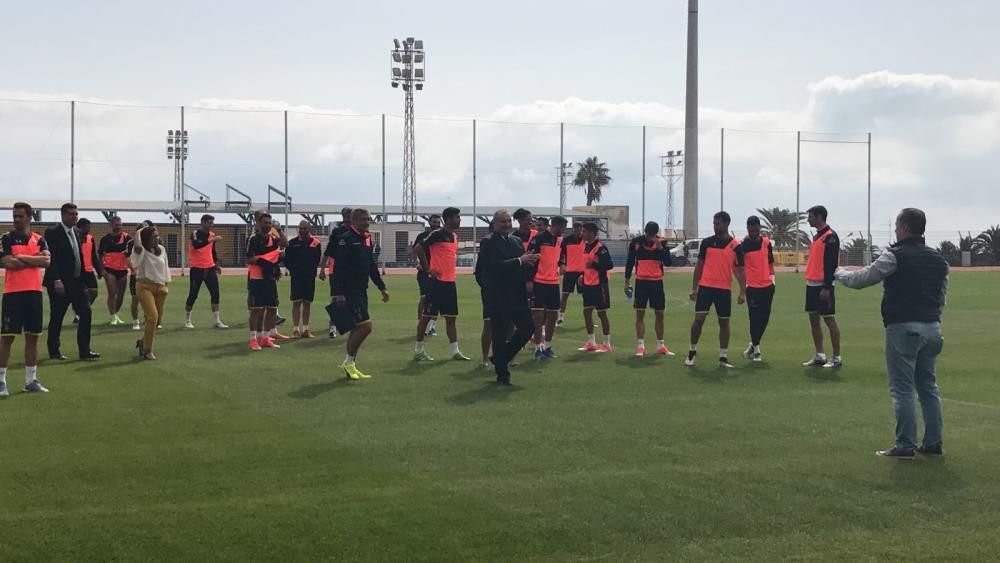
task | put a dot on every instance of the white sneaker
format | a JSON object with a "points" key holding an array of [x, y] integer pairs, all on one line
{"points": [[221, 324], [748, 352], [689, 361], [159, 327], [188, 324], [724, 363], [833, 363], [136, 326]]}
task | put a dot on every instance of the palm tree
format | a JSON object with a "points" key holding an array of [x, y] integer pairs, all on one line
{"points": [[988, 243], [966, 243], [782, 225], [855, 249], [950, 252], [592, 175]]}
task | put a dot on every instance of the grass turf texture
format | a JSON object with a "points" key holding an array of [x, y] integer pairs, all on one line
{"points": [[216, 453]]}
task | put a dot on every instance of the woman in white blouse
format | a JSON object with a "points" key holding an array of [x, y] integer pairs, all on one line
{"points": [[149, 259]]}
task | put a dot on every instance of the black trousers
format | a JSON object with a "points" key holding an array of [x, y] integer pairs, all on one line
{"points": [[506, 344], [75, 296], [759, 300], [210, 278]]}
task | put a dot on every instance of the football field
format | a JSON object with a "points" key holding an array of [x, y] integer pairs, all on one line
{"points": [[217, 453]]}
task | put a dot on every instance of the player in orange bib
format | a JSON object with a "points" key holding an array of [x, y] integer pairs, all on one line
{"points": [[24, 256], [648, 254], [205, 269], [821, 302], [719, 258], [545, 285], [111, 249], [571, 266], [525, 226], [438, 255], [594, 284], [758, 259], [92, 267]]}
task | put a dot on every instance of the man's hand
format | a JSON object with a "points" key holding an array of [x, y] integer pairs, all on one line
{"points": [[322, 274], [741, 299], [216, 238], [432, 273], [339, 300], [824, 294], [628, 287], [694, 295], [529, 258], [58, 287], [385, 296], [218, 270], [530, 287], [562, 271]]}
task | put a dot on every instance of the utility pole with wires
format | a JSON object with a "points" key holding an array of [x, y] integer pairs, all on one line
{"points": [[672, 170]]}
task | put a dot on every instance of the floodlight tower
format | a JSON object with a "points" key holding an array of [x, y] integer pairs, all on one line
{"points": [[177, 150], [408, 72], [672, 170], [565, 175]]}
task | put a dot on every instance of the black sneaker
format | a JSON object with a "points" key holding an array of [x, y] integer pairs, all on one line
{"points": [[934, 451], [898, 453]]}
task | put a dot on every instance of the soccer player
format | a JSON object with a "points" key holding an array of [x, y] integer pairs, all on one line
{"points": [[205, 269], [422, 279], [545, 285], [25, 256], [821, 303], [758, 258], [302, 258], [486, 337], [541, 223], [331, 247], [719, 257], [92, 269], [525, 226], [596, 294], [572, 266], [438, 257], [263, 255], [648, 254], [354, 265], [112, 249]]}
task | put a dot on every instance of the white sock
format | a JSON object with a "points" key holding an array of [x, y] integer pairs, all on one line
{"points": [[348, 361], [820, 355], [693, 348], [217, 316], [432, 324], [642, 343], [723, 352], [273, 332], [30, 374], [562, 316], [454, 348], [3, 375], [756, 349], [418, 348], [660, 344], [548, 344], [590, 339], [837, 358], [539, 346], [607, 340], [187, 316], [254, 334], [305, 328]]}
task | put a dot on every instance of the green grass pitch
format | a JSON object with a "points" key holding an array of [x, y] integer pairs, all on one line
{"points": [[215, 453]]}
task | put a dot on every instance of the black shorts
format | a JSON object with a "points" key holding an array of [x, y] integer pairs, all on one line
{"points": [[22, 312], [760, 297], [487, 305], [722, 299], [545, 297], [263, 293], [442, 299], [117, 274], [597, 296], [352, 313], [303, 287], [89, 280], [570, 280], [649, 293], [131, 285], [818, 306], [423, 281]]}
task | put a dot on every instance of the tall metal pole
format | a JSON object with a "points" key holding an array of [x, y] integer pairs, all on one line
{"points": [[644, 176], [287, 199], [869, 253], [722, 169], [385, 218], [72, 152], [691, 126], [183, 241], [562, 178], [798, 222], [475, 213]]}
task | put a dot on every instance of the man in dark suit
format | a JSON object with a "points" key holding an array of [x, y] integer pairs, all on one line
{"points": [[66, 285], [504, 270]]}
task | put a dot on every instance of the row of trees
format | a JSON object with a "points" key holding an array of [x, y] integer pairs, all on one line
{"points": [[984, 248]]}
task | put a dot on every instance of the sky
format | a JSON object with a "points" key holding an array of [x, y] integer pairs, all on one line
{"points": [[923, 80]]}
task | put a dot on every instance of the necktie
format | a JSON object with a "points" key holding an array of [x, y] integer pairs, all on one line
{"points": [[73, 243]]}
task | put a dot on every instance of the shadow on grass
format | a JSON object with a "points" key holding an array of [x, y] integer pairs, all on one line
{"points": [[487, 392], [474, 374], [99, 365], [582, 357], [317, 389], [716, 375], [414, 367], [820, 375]]}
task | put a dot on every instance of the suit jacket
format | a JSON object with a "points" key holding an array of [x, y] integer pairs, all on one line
{"points": [[501, 272], [62, 265]]}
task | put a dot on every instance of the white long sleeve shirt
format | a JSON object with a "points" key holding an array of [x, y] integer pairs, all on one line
{"points": [[149, 266]]}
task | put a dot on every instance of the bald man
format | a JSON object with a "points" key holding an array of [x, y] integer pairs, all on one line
{"points": [[302, 259]]}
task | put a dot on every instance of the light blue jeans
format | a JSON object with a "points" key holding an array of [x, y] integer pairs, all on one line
{"points": [[911, 351]]}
